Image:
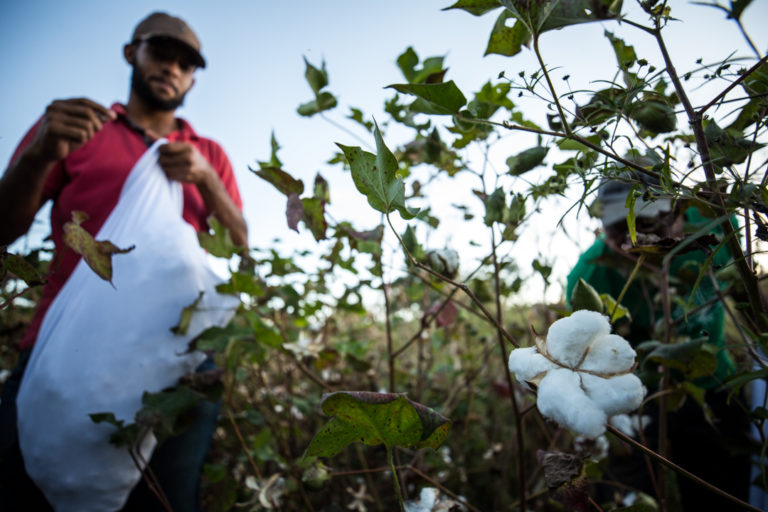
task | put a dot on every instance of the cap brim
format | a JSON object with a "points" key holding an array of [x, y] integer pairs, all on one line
{"points": [[615, 211]]}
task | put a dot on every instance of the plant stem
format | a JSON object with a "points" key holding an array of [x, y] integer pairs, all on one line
{"points": [[244, 446], [510, 383], [758, 308], [616, 432], [388, 323], [631, 278], [398, 491], [552, 90]]}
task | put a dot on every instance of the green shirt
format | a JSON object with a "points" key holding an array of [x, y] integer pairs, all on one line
{"points": [[607, 272]]}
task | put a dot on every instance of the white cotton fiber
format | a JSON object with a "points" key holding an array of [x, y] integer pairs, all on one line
{"points": [[609, 354], [526, 363], [630, 425], [561, 398], [616, 395], [568, 338]]}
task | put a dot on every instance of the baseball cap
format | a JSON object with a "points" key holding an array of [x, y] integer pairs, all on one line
{"points": [[163, 25], [613, 192]]}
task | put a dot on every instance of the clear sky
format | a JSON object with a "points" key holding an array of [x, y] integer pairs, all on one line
{"points": [[254, 80]]}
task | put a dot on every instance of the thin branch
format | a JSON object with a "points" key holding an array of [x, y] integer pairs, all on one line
{"points": [[618, 433], [736, 82]]}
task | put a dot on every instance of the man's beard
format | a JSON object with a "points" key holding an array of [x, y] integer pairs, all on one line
{"points": [[140, 85]]}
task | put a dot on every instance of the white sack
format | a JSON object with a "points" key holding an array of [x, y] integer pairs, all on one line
{"points": [[100, 347]]}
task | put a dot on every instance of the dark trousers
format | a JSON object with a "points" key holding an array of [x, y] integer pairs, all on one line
{"points": [[177, 463]]}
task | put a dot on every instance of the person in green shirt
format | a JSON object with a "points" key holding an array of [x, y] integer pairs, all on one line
{"points": [[695, 313]]}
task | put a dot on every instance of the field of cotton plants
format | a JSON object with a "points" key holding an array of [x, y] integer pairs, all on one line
{"points": [[405, 366]]}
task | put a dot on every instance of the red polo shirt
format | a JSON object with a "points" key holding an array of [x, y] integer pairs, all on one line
{"points": [[91, 178]]}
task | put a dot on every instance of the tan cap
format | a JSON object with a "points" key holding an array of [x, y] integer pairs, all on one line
{"points": [[160, 24]]}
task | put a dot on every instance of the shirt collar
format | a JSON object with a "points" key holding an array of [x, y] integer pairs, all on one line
{"points": [[184, 132]]}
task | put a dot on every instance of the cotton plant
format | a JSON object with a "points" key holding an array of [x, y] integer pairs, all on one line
{"points": [[583, 373]]}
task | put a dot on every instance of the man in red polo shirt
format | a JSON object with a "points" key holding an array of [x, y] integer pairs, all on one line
{"points": [[79, 155]]}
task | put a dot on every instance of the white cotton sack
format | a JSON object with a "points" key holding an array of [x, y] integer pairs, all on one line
{"points": [[569, 337], [560, 398], [609, 354], [526, 363], [101, 346]]}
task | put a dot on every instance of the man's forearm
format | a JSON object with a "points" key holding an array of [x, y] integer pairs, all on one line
{"points": [[221, 206], [21, 193]]}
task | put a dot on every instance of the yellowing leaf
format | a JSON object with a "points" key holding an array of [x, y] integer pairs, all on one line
{"points": [[97, 254]]}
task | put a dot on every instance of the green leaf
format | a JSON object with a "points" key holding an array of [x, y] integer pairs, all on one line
{"points": [[356, 115], [543, 269], [546, 15], [506, 40], [629, 204], [526, 160], [281, 180], [166, 412], [273, 160], [495, 207], [22, 269], [241, 282], [324, 101], [441, 99], [97, 254], [186, 316], [125, 435], [728, 147], [738, 381], [625, 55], [407, 63], [584, 296], [411, 243], [376, 418], [617, 311], [375, 177], [317, 78], [475, 7], [654, 116], [694, 358], [314, 216], [219, 243]]}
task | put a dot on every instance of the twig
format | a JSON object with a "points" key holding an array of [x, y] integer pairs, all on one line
{"points": [[242, 443], [736, 82], [388, 325], [510, 383]]}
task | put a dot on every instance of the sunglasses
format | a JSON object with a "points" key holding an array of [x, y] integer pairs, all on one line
{"points": [[167, 49]]}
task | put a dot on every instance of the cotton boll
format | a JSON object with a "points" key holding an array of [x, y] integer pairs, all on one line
{"points": [[527, 363], [615, 395], [630, 425], [609, 354], [562, 399], [569, 337]]}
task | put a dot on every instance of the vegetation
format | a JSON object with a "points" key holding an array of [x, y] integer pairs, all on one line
{"points": [[356, 382]]}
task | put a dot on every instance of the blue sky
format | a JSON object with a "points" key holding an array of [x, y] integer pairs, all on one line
{"points": [[254, 80]]}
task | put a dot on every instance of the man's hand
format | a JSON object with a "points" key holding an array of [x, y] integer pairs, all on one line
{"points": [[67, 125], [182, 162]]}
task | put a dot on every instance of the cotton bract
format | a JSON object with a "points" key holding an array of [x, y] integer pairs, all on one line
{"points": [[583, 373]]}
